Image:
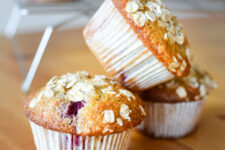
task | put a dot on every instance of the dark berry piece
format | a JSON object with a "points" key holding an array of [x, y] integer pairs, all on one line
{"points": [[73, 108]]}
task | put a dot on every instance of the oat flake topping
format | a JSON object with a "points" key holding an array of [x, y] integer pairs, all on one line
{"points": [[80, 86], [127, 93], [74, 87], [119, 121], [144, 12], [197, 79], [181, 92], [109, 116], [124, 112]]}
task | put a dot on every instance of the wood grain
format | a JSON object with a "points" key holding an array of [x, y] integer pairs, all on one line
{"points": [[67, 52]]}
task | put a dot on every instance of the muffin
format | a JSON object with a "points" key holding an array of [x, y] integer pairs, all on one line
{"points": [[139, 42], [173, 108], [79, 111]]}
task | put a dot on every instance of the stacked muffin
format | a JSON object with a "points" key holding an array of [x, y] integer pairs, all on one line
{"points": [[138, 42], [142, 45]]}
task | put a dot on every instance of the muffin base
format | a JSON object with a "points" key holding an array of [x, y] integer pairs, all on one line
{"points": [[121, 52], [170, 120], [46, 139]]}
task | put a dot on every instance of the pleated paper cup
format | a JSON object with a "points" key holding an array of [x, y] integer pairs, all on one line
{"points": [[121, 52], [171, 120], [46, 139]]}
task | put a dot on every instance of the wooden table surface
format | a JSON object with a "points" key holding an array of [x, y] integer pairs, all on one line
{"points": [[67, 52]]}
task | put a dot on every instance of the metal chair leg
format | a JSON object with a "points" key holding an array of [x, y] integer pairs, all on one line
{"points": [[10, 32], [12, 25], [40, 51], [37, 59]]}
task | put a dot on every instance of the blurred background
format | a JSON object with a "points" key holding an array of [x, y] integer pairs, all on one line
{"points": [[47, 35], [40, 19], [36, 22]]}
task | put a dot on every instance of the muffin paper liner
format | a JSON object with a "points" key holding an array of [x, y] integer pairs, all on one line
{"points": [[170, 120], [121, 52], [46, 139]]}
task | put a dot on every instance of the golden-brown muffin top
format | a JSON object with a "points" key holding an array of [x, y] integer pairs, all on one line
{"points": [[159, 31], [196, 86], [84, 105]]}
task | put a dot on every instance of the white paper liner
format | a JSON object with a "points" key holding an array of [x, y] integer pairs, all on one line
{"points": [[171, 120], [121, 52], [46, 139]]}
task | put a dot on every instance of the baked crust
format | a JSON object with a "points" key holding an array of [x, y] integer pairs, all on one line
{"points": [[52, 112], [152, 36], [164, 94], [196, 86]]}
